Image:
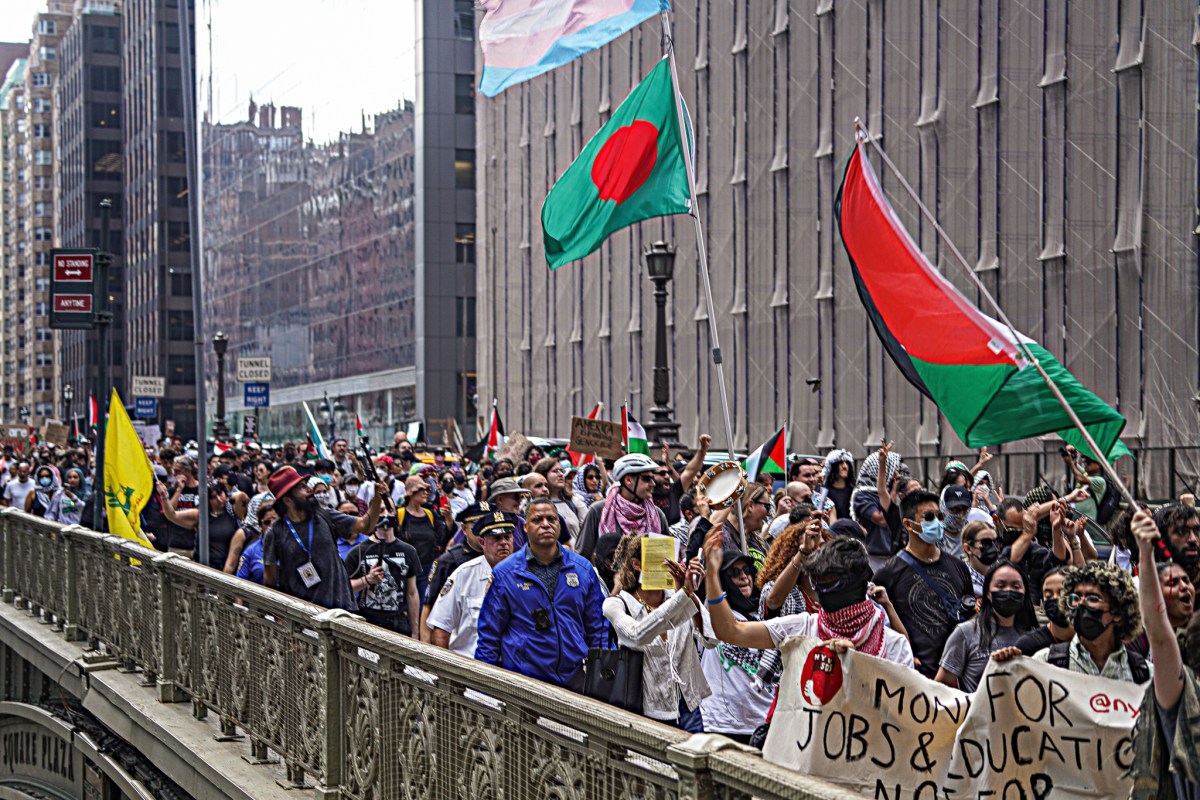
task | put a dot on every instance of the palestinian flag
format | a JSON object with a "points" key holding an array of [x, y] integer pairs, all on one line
{"points": [[580, 459], [310, 449], [221, 447], [358, 426], [964, 361], [490, 443], [93, 413], [635, 434], [33, 440], [771, 456], [631, 170]]}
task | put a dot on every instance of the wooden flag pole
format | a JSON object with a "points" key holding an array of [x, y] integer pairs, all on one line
{"points": [[1102, 458], [685, 146]]}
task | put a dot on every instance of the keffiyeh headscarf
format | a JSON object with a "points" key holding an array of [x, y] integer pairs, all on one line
{"points": [[836, 457], [628, 517], [868, 473], [580, 483], [251, 522], [44, 495], [861, 623]]}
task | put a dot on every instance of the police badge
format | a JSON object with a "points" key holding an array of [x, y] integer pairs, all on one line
{"points": [[573, 580]]}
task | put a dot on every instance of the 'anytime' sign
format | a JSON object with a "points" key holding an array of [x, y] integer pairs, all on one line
{"points": [[1030, 731]]}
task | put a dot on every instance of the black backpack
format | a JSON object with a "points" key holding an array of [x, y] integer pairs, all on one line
{"points": [[1107, 505], [1060, 656]]}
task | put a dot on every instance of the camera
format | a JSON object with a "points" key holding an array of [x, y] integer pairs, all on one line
{"points": [[541, 618]]}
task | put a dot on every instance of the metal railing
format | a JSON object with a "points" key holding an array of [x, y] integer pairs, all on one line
{"points": [[363, 713]]}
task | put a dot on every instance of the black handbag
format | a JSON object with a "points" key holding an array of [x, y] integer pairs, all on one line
{"points": [[614, 676]]}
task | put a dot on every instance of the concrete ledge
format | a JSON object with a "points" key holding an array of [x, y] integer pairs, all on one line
{"points": [[167, 734]]}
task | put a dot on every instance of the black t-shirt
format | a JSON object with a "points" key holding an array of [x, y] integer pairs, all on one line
{"points": [[1038, 560], [427, 537], [841, 500], [221, 529], [280, 547], [444, 567], [183, 538], [920, 608], [879, 540], [402, 563]]}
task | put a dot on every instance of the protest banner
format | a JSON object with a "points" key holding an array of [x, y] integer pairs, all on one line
{"points": [[597, 436], [867, 724], [55, 433], [1030, 731]]}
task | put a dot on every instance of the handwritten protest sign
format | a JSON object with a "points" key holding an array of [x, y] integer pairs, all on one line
{"points": [[598, 436], [514, 447], [868, 724], [1030, 731], [55, 433]]}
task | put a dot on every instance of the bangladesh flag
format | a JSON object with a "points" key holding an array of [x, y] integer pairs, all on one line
{"points": [[961, 359], [631, 170], [770, 456]]}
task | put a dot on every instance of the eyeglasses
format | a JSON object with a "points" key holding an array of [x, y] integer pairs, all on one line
{"points": [[736, 571], [1009, 530], [646, 477], [1091, 600], [930, 516]]}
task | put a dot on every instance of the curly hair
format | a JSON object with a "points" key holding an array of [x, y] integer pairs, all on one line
{"points": [[786, 545], [624, 576], [1114, 582], [1173, 518]]}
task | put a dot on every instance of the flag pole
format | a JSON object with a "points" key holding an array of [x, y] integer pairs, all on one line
{"points": [[861, 134], [669, 45]]}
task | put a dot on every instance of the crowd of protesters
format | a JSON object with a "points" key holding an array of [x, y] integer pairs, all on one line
{"points": [[530, 563]]}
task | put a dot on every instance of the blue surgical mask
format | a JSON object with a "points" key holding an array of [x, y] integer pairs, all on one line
{"points": [[325, 478], [933, 531], [45, 482]]}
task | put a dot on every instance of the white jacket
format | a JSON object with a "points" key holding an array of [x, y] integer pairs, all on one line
{"points": [[670, 668]]}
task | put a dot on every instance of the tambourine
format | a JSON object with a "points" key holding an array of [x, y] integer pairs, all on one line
{"points": [[723, 484]]}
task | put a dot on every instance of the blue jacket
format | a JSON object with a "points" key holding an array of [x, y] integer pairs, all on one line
{"points": [[508, 634], [250, 565]]}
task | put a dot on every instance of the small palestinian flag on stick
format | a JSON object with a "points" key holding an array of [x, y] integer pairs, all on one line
{"points": [[771, 456]]}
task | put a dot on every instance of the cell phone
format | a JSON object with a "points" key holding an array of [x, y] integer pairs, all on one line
{"points": [[819, 498]]}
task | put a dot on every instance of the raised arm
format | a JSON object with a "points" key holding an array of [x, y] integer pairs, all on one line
{"points": [[366, 525], [1164, 647], [726, 628], [881, 482], [696, 465]]}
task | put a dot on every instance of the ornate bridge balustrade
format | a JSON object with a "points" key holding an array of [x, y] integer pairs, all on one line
{"points": [[353, 709]]}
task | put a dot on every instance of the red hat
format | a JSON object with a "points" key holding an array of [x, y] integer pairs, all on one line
{"points": [[386, 460], [283, 480]]}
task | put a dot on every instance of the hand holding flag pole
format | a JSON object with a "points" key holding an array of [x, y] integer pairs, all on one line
{"points": [[862, 135]]}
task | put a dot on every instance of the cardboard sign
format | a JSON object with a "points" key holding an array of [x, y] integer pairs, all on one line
{"points": [[597, 436], [885, 731], [514, 448], [56, 433]]}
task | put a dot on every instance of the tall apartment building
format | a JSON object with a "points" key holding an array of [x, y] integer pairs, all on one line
{"points": [[90, 169], [12, 143], [1060, 158], [156, 232], [30, 385], [309, 259]]}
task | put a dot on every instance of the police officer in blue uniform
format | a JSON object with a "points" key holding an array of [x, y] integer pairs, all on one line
{"points": [[543, 610]]}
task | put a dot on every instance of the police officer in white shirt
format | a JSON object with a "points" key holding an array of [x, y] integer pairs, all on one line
{"points": [[455, 613]]}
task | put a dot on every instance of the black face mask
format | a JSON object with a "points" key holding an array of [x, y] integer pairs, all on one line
{"points": [[989, 552], [1007, 603], [842, 598], [1089, 623], [1055, 614]]}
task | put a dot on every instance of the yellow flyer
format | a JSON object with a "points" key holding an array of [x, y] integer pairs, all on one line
{"points": [[654, 550]]}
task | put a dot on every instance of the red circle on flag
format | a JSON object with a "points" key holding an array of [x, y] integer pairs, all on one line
{"points": [[821, 677], [625, 161]]}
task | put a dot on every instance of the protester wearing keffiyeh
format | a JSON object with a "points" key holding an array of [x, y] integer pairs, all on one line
{"points": [[629, 517]]}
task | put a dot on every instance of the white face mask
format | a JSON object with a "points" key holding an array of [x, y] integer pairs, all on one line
{"points": [[327, 499]]}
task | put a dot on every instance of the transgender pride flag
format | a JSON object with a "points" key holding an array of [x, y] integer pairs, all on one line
{"points": [[521, 39]]}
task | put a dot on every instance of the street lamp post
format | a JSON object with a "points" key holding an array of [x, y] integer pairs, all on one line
{"points": [[220, 347], [68, 395], [331, 413], [660, 267]]}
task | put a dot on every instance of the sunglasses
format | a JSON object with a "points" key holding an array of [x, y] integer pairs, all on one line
{"points": [[930, 516], [736, 571]]}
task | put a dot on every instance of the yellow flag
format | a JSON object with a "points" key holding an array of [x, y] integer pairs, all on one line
{"points": [[128, 476]]}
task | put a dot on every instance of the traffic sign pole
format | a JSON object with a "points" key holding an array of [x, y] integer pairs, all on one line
{"points": [[103, 318]]}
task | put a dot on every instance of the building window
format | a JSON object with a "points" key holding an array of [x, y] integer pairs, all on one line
{"points": [[464, 243], [181, 284], [47, 27], [42, 235], [41, 183], [106, 39], [106, 79], [106, 115], [41, 309], [181, 370], [41, 258], [179, 326], [464, 19], [465, 316], [41, 105], [20, 126], [464, 94], [177, 193], [45, 335], [41, 78], [105, 156], [41, 283], [48, 53], [42, 158], [41, 130], [178, 237], [43, 409], [464, 169]]}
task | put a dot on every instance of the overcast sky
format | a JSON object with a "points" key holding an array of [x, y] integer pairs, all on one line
{"points": [[332, 58]]}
